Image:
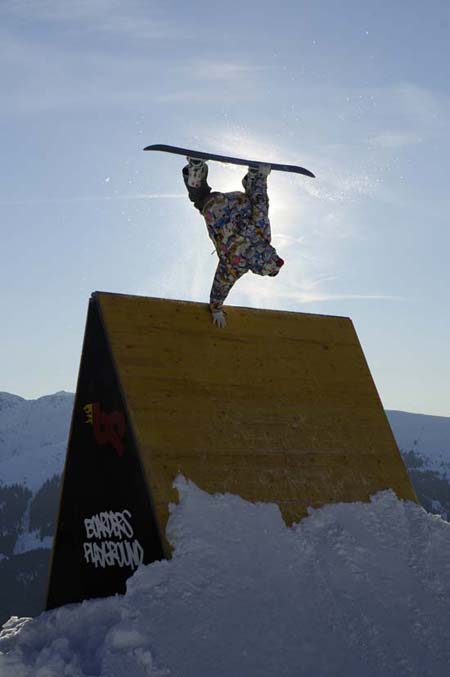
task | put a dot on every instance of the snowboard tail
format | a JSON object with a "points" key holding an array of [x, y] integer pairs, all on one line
{"points": [[200, 155]]}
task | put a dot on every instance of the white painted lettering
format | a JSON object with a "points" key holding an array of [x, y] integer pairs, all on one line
{"points": [[111, 553], [104, 552], [109, 524]]}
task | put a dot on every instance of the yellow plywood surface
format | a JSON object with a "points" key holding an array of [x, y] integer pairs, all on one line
{"points": [[277, 406]]}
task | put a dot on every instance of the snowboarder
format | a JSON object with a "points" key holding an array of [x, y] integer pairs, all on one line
{"points": [[238, 224]]}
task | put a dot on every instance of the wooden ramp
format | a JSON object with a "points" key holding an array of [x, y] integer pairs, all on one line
{"points": [[277, 407]]}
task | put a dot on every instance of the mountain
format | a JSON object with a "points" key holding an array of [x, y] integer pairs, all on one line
{"points": [[424, 442], [33, 438], [7, 400]]}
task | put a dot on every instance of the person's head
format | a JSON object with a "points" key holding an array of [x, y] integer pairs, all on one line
{"points": [[272, 267], [264, 259]]}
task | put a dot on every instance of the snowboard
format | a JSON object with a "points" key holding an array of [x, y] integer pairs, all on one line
{"points": [[200, 155]]}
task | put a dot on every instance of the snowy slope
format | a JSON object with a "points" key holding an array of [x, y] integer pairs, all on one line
{"points": [[33, 438], [354, 589], [7, 400], [426, 436]]}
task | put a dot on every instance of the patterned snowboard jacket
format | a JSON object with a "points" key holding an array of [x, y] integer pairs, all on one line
{"points": [[239, 226]]}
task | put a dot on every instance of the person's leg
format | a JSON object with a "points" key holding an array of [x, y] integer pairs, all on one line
{"points": [[255, 185], [194, 175]]}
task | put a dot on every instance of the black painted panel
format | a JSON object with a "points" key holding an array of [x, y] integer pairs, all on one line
{"points": [[106, 525]]}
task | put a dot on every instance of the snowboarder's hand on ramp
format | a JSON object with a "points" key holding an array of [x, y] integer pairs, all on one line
{"points": [[219, 319]]}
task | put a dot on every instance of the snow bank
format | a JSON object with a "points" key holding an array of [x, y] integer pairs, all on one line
{"points": [[354, 589]]}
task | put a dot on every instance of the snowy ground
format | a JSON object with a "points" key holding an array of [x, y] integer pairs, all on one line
{"points": [[353, 590]]}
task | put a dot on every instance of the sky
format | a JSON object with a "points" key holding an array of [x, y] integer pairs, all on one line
{"points": [[358, 92]]}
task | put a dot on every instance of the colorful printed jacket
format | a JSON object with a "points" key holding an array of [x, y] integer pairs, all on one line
{"points": [[238, 224]]}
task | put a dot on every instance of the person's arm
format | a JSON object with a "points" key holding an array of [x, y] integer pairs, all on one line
{"points": [[225, 277]]}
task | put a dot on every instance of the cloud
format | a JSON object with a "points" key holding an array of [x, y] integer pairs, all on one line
{"points": [[262, 290], [55, 10], [222, 70], [395, 140], [201, 96], [211, 82], [131, 18], [342, 185], [93, 198], [311, 297], [45, 75], [408, 115], [421, 105]]}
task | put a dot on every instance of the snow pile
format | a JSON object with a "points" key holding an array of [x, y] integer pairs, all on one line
{"points": [[353, 589]]}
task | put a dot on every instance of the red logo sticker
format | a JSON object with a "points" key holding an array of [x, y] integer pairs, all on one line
{"points": [[108, 428]]}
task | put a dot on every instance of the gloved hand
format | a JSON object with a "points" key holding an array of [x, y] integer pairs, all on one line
{"points": [[218, 318]]}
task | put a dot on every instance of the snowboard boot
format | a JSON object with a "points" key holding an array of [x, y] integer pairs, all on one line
{"points": [[260, 170], [197, 171], [194, 175]]}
